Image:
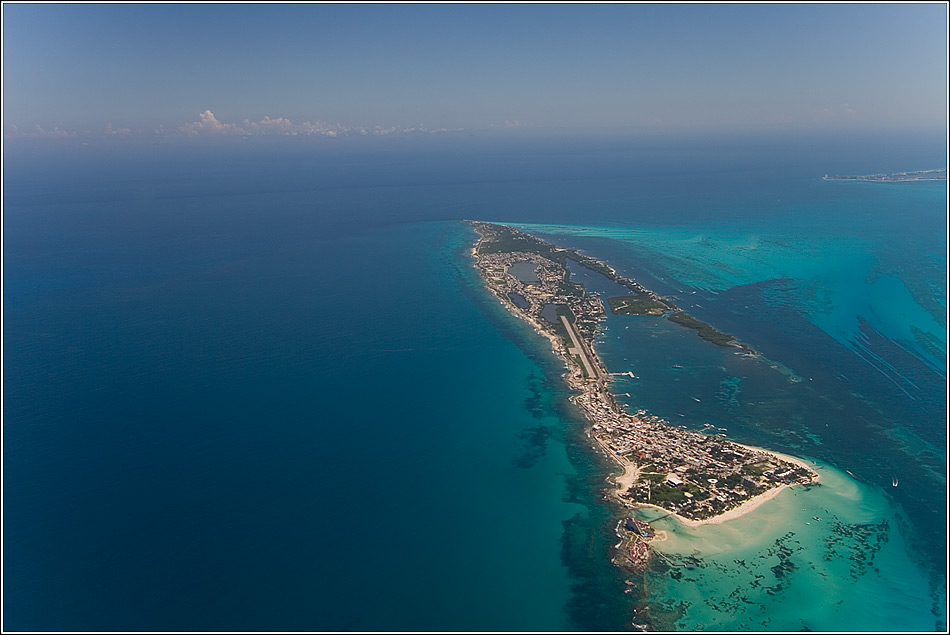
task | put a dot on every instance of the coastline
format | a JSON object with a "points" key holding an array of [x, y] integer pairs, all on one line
{"points": [[788, 458], [585, 399], [513, 309], [736, 512], [631, 473], [747, 506]]}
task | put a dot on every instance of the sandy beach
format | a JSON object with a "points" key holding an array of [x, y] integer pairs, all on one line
{"points": [[631, 473], [735, 512], [785, 457]]}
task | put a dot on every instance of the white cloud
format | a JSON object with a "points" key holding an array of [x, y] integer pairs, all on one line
{"points": [[322, 127], [111, 132], [511, 124], [840, 113], [54, 133], [209, 124], [280, 126], [284, 126], [39, 132]]}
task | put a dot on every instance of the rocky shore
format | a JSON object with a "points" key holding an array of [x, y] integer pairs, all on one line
{"points": [[697, 477]]}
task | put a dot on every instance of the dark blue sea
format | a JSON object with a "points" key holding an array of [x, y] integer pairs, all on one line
{"points": [[259, 386]]}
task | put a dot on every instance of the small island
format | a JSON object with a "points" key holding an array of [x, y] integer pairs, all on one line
{"points": [[699, 477], [636, 305], [894, 177]]}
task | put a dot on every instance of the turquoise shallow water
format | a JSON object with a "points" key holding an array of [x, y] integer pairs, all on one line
{"points": [[778, 568], [873, 560], [262, 387], [839, 279]]}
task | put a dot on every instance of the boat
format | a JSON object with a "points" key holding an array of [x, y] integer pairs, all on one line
{"points": [[894, 482]]}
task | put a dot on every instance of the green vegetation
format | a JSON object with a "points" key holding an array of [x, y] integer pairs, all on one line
{"points": [[801, 472], [563, 309], [731, 480], [706, 332], [663, 493], [604, 270], [636, 305], [580, 364], [698, 493], [508, 239], [591, 263], [571, 288], [504, 239], [754, 469]]}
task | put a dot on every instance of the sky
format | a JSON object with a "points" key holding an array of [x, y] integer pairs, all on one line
{"points": [[196, 69]]}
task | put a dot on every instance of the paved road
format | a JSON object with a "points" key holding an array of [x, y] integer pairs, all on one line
{"points": [[578, 348]]}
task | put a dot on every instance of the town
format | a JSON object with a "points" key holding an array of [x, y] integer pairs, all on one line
{"points": [[695, 475]]}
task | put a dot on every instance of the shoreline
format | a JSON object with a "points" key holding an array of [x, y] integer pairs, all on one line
{"points": [[513, 309], [788, 458], [746, 506], [732, 514], [631, 472]]}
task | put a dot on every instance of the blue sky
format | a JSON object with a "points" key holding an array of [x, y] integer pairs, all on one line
{"points": [[627, 66]]}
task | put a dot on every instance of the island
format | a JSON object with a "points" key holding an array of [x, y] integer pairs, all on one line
{"points": [[698, 477], [894, 177]]}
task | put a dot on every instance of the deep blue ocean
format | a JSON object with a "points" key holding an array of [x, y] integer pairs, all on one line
{"points": [[259, 386]]}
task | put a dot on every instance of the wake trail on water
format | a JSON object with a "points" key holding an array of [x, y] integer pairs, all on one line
{"points": [[881, 370]]}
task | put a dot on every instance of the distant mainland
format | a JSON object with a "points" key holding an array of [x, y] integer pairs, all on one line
{"points": [[894, 177]]}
